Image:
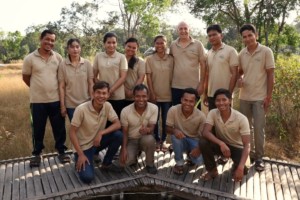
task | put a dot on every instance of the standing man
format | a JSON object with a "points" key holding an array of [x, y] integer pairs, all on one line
{"points": [[231, 140], [88, 131], [138, 121], [189, 63], [185, 124], [256, 81], [40, 75], [222, 65]]}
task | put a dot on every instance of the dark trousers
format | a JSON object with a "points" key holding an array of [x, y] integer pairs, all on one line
{"points": [[211, 103], [112, 142], [210, 149], [163, 108], [176, 97], [39, 115], [118, 105]]}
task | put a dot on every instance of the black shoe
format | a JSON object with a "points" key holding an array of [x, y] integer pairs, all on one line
{"points": [[112, 168], [35, 161], [259, 165]]}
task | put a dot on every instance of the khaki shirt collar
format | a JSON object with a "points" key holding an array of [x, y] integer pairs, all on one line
{"points": [[37, 53], [68, 61], [110, 56], [192, 40], [159, 58]]}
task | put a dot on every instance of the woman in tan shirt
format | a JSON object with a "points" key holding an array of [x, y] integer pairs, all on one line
{"points": [[136, 69], [75, 75], [159, 69]]}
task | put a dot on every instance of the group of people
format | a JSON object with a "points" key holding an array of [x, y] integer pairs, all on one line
{"points": [[110, 106]]}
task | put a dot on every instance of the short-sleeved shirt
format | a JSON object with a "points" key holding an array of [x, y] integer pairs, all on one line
{"points": [[161, 72], [219, 63], [90, 122], [255, 75], [191, 126], [232, 130], [76, 81], [109, 68], [134, 74], [133, 120], [187, 64], [43, 76]]}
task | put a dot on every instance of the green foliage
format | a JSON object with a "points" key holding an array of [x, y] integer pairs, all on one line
{"points": [[11, 48], [269, 17], [141, 17], [284, 116]]}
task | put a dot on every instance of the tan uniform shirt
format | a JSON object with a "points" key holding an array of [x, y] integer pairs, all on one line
{"points": [[161, 72], [89, 122], [191, 126], [109, 69], [187, 64], [255, 76], [43, 77], [219, 63], [76, 81], [232, 130], [134, 74], [134, 121]]}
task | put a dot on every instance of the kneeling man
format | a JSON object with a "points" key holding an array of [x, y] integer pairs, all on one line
{"points": [[88, 132], [185, 124], [232, 138], [138, 121]]}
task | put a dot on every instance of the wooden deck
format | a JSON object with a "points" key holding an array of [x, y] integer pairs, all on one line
{"points": [[53, 180]]}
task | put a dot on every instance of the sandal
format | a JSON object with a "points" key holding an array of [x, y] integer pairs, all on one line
{"points": [[208, 175], [189, 162], [222, 160], [64, 158], [178, 170], [164, 147], [35, 161]]}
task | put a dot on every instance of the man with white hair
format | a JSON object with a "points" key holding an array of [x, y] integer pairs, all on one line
{"points": [[189, 63]]}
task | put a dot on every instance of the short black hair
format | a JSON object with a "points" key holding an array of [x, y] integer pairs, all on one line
{"points": [[140, 87], [109, 35], [191, 91], [101, 85], [220, 91], [45, 32], [214, 27], [248, 27]]}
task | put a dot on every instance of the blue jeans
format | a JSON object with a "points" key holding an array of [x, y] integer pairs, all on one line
{"points": [[70, 112], [164, 107], [87, 175], [183, 145], [112, 141], [39, 114]]}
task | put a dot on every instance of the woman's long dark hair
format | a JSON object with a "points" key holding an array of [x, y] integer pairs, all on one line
{"points": [[133, 60]]}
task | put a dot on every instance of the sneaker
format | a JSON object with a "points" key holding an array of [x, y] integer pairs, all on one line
{"points": [[151, 170], [259, 165], [112, 168]]}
